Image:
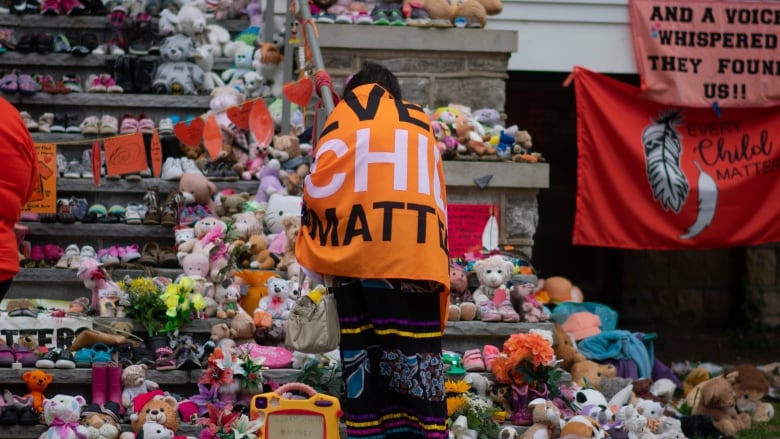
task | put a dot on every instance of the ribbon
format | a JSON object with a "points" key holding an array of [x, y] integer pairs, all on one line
{"points": [[64, 428]]}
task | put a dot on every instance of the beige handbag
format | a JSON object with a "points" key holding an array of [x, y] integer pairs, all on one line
{"points": [[313, 328]]}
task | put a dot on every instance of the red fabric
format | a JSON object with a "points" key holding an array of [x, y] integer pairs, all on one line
{"points": [[17, 180], [617, 206]]}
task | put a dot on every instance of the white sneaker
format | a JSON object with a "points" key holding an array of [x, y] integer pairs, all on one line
{"points": [[165, 127], [134, 213], [171, 169], [189, 167]]}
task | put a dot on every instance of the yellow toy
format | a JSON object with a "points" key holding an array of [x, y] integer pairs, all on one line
{"points": [[287, 415]]}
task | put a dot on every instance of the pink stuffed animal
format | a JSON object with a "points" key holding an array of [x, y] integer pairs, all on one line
{"points": [[254, 165], [97, 279]]}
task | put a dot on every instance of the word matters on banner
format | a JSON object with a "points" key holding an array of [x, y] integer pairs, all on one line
{"points": [[699, 53]]}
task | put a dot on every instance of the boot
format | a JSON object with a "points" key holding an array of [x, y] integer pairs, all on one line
{"points": [[114, 384], [521, 414], [123, 73], [99, 383], [143, 75]]}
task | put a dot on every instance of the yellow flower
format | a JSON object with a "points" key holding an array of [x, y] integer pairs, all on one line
{"points": [[186, 283], [198, 301], [455, 403], [459, 386]]}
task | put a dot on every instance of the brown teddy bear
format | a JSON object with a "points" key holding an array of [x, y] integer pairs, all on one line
{"points": [[244, 225], [134, 383], [715, 398], [242, 329], [751, 386], [589, 373], [197, 190], [101, 422], [289, 262], [231, 204], [565, 349], [467, 13], [462, 306], [156, 407], [262, 257]]}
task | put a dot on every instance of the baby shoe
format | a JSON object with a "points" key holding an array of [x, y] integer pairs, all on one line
{"points": [[472, 361]]}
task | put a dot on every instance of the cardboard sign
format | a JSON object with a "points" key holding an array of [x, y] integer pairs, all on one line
{"points": [[50, 331], [699, 53], [44, 197]]}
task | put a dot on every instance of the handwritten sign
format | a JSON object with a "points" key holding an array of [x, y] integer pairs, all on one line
{"points": [[125, 154], [698, 53], [466, 223], [44, 196]]}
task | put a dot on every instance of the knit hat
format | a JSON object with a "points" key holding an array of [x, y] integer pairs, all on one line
{"points": [[582, 325]]}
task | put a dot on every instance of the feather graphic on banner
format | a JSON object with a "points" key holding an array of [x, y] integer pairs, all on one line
{"points": [[662, 155], [708, 201], [490, 232]]}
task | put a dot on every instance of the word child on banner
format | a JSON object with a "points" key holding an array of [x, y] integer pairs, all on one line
{"points": [[698, 53]]}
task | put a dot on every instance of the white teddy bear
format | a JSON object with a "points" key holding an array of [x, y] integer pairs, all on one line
{"points": [[62, 414], [279, 299]]}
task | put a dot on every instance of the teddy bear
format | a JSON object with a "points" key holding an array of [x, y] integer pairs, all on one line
{"points": [[134, 383], [287, 260], [257, 157], [243, 225], [715, 398], [523, 298], [492, 295], [285, 147], [153, 407], [588, 373], [459, 127], [546, 420], [62, 414], [279, 299], [750, 386], [192, 22], [462, 306], [195, 266], [242, 328], [203, 56], [231, 204], [564, 348], [197, 192], [468, 13], [37, 381], [175, 73]]}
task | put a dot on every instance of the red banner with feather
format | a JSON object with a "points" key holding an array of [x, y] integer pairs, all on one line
{"points": [[658, 177]]}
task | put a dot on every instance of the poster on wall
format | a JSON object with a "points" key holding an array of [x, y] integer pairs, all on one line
{"points": [[704, 53], [472, 228], [658, 177], [44, 196]]}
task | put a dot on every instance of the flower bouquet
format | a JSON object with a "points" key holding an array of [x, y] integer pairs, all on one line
{"points": [[160, 305], [527, 363], [469, 415]]}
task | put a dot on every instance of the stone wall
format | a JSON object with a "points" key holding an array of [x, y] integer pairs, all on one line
{"points": [[763, 282]]}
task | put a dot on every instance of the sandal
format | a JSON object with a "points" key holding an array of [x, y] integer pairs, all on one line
{"points": [[61, 44], [95, 213], [165, 359], [167, 258], [101, 353], [71, 252], [10, 83], [27, 85], [150, 254]]}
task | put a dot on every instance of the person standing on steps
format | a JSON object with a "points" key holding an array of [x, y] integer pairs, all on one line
{"points": [[17, 181], [374, 230]]}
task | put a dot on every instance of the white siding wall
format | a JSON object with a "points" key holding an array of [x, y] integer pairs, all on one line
{"points": [[555, 35]]}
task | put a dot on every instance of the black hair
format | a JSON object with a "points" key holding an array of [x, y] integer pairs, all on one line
{"points": [[373, 73]]}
